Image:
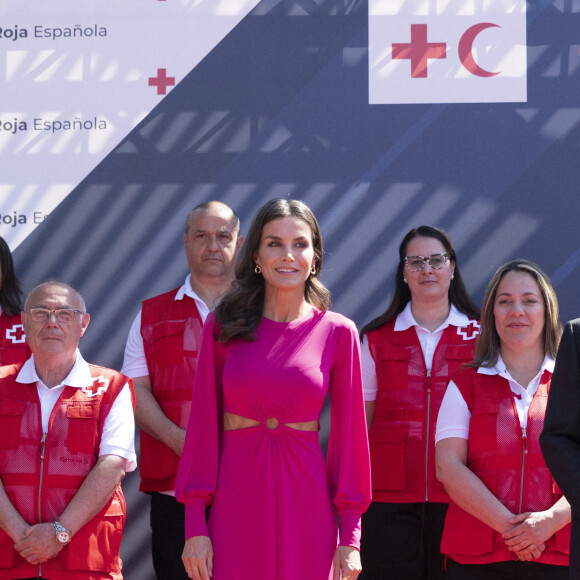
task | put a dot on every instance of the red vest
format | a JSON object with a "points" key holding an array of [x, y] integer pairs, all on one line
{"points": [[42, 474], [402, 434], [171, 331], [13, 345], [512, 468]]}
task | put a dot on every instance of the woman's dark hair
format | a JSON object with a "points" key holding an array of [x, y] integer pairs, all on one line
{"points": [[457, 293], [241, 310], [487, 347], [10, 289]]}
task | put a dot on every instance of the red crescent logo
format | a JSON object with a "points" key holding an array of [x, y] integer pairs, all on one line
{"points": [[465, 49]]}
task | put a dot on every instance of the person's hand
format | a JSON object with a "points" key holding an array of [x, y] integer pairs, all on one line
{"points": [[529, 533], [177, 442], [38, 544], [346, 563], [198, 558]]}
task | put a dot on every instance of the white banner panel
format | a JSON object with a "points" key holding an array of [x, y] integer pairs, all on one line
{"points": [[77, 77], [445, 51]]}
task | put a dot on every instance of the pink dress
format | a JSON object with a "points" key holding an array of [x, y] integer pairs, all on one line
{"points": [[273, 499]]}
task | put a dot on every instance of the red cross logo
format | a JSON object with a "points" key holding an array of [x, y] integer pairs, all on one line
{"points": [[100, 385], [16, 334], [419, 51], [470, 331], [161, 81]]}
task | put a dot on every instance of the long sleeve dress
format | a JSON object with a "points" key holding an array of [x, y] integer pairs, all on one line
{"points": [[274, 503]]}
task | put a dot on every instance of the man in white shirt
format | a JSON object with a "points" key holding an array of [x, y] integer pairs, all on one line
{"points": [[161, 357], [66, 441]]}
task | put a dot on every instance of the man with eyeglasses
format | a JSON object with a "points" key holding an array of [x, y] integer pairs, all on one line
{"points": [[161, 357], [66, 441]]}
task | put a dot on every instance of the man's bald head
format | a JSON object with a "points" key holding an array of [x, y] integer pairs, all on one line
{"points": [[216, 208]]}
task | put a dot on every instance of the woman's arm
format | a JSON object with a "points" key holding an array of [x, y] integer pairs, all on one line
{"points": [[370, 382], [465, 488], [198, 467], [348, 462], [370, 412]]}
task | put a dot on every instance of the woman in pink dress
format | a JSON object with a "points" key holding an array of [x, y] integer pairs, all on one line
{"points": [[269, 356]]}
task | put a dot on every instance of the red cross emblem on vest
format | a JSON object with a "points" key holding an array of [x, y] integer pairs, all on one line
{"points": [[100, 385], [470, 331], [16, 334]]}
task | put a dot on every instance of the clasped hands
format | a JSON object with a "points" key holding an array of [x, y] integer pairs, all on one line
{"points": [[528, 534], [38, 544]]}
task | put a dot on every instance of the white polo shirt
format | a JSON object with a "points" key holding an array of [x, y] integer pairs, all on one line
{"points": [[454, 416], [118, 435], [428, 340]]}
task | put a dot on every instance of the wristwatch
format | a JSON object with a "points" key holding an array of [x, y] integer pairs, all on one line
{"points": [[63, 536]]}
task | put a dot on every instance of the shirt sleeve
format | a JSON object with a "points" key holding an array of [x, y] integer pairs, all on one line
{"points": [[134, 361], [454, 416], [118, 436], [369, 372], [198, 467], [347, 459]]}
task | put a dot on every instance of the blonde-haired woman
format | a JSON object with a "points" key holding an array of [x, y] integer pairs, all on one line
{"points": [[507, 518]]}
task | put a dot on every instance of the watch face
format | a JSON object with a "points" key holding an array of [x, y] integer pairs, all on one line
{"points": [[63, 537]]}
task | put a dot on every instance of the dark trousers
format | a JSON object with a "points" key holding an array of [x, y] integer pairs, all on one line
{"points": [[168, 537], [401, 541], [512, 570]]}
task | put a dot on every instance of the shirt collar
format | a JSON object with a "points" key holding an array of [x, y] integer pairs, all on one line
{"points": [[79, 376], [500, 369], [187, 290], [406, 320]]}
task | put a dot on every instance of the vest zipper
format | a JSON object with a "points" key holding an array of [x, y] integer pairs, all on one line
{"points": [[524, 453], [41, 453], [428, 435]]}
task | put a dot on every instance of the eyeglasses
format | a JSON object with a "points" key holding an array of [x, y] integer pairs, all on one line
{"points": [[436, 261], [62, 315]]}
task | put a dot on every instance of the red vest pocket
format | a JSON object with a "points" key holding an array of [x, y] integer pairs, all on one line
{"points": [[82, 427], [168, 343], [11, 413], [465, 535], [159, 463], [458, 355], [392, 366], [387, 447], [96, 545]]}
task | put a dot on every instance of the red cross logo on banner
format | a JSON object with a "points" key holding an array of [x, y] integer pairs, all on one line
{"points": [[161, 81], [100, 385], [16, 334], [418, 51], [447, 52], [470, 331]]}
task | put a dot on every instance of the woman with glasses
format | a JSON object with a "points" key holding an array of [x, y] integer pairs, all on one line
{"points": [[507, 519], [408, 353], [13, 346]]}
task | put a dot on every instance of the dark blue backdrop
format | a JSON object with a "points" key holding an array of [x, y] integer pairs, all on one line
{"points": [[280, 107]]}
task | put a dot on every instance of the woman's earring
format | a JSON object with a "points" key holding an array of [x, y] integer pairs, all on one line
{"points": [[452, 275], [313, 270], [257, 269], [405, 280]]}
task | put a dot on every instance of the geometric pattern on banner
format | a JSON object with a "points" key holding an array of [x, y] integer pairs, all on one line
{"points": [[76, 78], [280, 107]]}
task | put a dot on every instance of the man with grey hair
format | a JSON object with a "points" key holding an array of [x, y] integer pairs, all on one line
{"points": [[161, 357], [66, 441]]}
